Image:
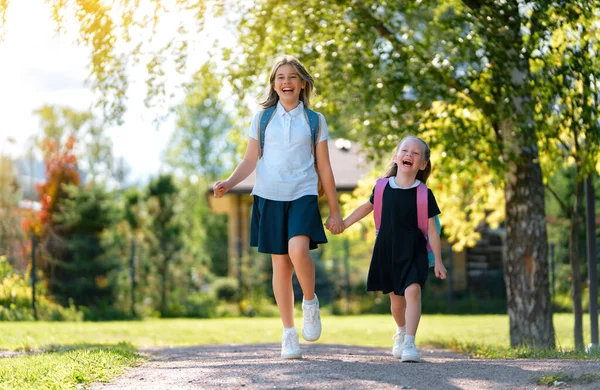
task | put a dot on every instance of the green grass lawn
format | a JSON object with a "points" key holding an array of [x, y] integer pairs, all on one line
{"points": [[373, 330], [64, 368], [86, 352]]}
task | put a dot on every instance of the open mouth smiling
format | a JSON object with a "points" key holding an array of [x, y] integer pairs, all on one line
{"points": [[407, 163]]}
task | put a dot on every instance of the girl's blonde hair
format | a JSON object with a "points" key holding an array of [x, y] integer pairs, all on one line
{"points": [[422, 175], [270, 98]]}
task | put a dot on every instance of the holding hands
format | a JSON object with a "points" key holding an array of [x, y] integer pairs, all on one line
{"points": [[335, 224]]}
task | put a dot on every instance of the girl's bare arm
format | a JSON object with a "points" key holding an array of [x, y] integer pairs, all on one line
{"points": [[334, 222], [362, 211], [242, 171], [436, 247]]}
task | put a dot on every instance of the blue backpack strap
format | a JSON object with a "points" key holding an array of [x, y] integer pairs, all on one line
{"points": [[265, 117], [315, 128]]}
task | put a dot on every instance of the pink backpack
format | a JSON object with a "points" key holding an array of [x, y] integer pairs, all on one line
{"points": [[422, 209]]}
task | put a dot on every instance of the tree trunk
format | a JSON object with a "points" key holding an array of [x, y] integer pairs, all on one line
{"points": [[526, 251], [574, 260], [163, 288]]}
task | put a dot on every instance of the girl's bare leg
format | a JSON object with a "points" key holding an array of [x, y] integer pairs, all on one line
{"points": [[398, 305], [282, 288], [298, 248], [412, 295]]}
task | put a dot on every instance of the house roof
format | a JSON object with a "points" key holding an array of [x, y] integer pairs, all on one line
{"points": [[348, 164]]}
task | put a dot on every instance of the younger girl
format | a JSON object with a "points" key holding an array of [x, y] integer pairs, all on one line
{"points": [[399, 264], [286, 222]]}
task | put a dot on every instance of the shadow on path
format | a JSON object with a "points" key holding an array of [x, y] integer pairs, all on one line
{"points": [[258, 366]]}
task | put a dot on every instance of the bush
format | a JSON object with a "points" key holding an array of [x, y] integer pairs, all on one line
{"points": [[201, 305], [228, 310], [15, 300], [259, 306], [226, 289]]}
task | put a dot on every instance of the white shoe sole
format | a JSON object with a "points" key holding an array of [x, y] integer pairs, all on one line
{"points": [[411, 359], [310, 337], [292, 356]]}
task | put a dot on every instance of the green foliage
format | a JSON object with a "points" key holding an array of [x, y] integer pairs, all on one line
{"points": [[562, 300], [200, 305], [204, 233], [198, 144], [165, 227], [560, 198], [70, 225], [83, 272], [16, 295], [226, 289], [259, 305], [566, 91], [214, 242], [130, 34], [11, 237]]}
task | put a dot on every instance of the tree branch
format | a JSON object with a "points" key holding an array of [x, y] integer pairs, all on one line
{"points": [[563, 206]]}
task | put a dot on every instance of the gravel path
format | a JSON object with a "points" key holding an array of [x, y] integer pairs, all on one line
{"points": [[327, 366]]}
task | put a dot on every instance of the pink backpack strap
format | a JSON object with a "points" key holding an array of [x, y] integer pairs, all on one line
{"points": [[422, 208], [422, 211], [378, 201]]}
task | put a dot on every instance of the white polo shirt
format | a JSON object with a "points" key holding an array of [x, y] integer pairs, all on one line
{"points": [[286, 170]]}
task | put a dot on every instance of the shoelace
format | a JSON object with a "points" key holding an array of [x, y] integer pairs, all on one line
{"points": [[397, 336], [289, 340], [398, 341], [313, 314]]}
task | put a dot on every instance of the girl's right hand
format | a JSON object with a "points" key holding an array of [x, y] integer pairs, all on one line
{"points": [[440, 270], [220, 188]]}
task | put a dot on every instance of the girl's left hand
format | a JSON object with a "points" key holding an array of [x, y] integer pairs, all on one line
{"points": [[440, 270], [335, 224]]}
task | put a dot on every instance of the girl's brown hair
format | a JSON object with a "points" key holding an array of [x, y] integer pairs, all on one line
{"points": [[270, 98], [422, 175]]}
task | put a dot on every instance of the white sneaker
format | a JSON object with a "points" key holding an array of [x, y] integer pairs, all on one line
{"points": [[409, 352], [290, 346], [311, 326], [398, 341]]}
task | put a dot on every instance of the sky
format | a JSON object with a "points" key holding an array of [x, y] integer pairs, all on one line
{"points": [[39, 66]]}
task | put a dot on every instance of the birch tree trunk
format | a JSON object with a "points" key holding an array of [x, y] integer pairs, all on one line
{"points": [[526, 254]]}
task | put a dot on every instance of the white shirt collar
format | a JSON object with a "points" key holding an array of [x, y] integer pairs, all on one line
{"points": [[295, 112], [397, 187]]}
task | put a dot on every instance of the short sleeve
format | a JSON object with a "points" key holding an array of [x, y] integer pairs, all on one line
{"points": [[253, 132], [324, 130], [432, 205], [372, 197]]}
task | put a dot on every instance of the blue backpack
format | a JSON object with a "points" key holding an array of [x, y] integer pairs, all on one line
{"points": [[315, 132]]}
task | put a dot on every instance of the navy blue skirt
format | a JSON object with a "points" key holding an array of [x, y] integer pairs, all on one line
{"points": [[274, 223]]}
